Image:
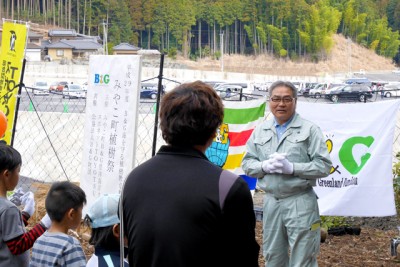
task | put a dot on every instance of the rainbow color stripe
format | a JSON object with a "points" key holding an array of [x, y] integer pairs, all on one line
{"points": [[240, 119]]}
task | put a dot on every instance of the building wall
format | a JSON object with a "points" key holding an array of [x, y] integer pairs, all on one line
{"points": [[53, 53], [33, 55]]}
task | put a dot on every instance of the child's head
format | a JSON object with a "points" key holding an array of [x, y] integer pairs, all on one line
{"points": [[103, 219], [65, 201], [10, 165]]}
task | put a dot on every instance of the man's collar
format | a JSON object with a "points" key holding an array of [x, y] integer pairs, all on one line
{"points": [[286, 123]]}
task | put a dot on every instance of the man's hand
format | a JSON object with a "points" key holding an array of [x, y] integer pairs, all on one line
{"points": [[272, 166], [28, 200], [287, 166]]}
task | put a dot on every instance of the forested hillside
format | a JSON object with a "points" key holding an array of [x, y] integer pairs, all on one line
{"points": [[199, 28]]}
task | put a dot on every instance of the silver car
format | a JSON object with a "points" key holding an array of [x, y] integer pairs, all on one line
{"points": [[73, 91]]}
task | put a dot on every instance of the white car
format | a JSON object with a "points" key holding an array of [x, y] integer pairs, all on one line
{"points": [[229, 91], [391, 90], [40, 88], [360, 72], [73, 91], [318, 90], [396, 71]]}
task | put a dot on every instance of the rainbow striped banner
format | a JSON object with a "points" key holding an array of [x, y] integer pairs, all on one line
{"points": [[229, 146]]}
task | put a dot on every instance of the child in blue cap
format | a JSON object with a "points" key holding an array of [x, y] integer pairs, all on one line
{"points": [[103, 218]]}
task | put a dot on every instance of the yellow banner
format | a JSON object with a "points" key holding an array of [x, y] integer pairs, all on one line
{"points": [[12, 54]]}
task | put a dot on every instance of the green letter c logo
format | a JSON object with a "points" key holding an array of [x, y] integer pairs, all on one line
{"points": [[346, 153]]}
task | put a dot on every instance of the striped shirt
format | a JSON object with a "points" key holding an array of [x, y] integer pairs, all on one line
{"points": [[57, 249]]}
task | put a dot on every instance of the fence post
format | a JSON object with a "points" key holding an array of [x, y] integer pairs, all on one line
{"points": [[30, 106], [65, 107], [160, 87]]}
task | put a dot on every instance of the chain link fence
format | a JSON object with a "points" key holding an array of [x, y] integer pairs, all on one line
{"points": [[49, 133], [50, 130]]}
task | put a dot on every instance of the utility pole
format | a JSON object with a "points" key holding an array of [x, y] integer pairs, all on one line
{"points": [[349, 55], [222, 51], [105, 29]]}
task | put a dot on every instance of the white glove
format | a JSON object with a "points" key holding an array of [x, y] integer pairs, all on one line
{"points": [[46, 221], [28, 200], [278, 156], [271, 166], [287, 166]]}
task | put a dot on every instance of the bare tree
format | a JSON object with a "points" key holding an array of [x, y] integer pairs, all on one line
{"points": [[77, 16], [69, 14], [84, 18]]}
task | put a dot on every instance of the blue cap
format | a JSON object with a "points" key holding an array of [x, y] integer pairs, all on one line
{"points": [[104, 211]]}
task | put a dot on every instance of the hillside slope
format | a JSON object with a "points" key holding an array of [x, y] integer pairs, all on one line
{"points": [[338, 61]]}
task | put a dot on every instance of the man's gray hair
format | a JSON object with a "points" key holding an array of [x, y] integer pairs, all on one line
{"points": [[284, 84]]}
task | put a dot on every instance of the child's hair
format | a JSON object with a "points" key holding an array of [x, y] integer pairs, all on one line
{"points": [[62, 197], [10, 158], [102, 216], [104, 237]]}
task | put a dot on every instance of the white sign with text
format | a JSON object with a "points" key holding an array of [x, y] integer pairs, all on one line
{"points": [[110, 124]]}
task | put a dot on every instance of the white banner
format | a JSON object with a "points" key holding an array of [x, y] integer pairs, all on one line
{"points": [[360, 140], [110, 125]]}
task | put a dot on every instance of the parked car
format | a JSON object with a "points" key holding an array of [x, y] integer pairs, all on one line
{"points": [[73, 91], [359, 92], [391, 90], [306, 91], [53, 86], [84, 86], [40, 88], [360, 72], [150, 90], [396, 71], [365, 81], [228, 91], [61, 86], [317, 91], [327, 93]]}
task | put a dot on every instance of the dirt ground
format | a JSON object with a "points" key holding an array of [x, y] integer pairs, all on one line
{"points": [[369, 249], [345, 57]]}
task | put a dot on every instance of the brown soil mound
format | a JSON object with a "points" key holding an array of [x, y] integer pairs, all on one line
{"points": [[338, 60]]}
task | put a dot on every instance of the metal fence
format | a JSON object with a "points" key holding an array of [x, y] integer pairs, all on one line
{"points": [[49, 133], [50, 129]]}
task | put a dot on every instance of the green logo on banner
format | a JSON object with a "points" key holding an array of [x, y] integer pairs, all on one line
{"points": [[346, 153]]}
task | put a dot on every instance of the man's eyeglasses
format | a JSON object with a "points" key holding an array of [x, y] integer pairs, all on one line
{"points": [[286, 99]]}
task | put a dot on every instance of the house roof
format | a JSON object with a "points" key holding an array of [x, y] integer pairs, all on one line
{"points": [[83, 36], [125, 47], [59, 44], [33, 46], [45, 43], [84, 44], [62, 33]]}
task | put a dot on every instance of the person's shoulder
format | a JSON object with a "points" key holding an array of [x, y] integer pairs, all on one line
{"points": [[9, 208], [306, 122], [5, 203], [265, 124]]}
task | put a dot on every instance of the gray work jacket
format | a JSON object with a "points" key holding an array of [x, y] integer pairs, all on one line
{"points": [[305, 146]]}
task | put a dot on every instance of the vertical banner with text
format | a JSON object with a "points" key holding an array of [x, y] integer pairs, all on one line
{"points": [[110, 124], [12, 55]]}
